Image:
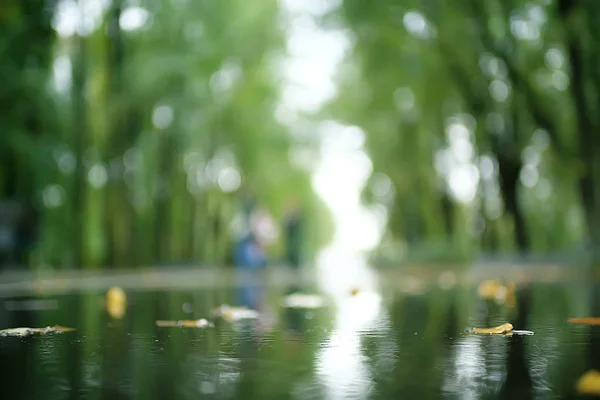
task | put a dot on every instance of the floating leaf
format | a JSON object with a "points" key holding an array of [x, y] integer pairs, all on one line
{"points": [[585, 321], [232, 314], [22, 332], [200, 323], [116, 302], [589, 383], [300, 300], [18, 332], [498, 330]]}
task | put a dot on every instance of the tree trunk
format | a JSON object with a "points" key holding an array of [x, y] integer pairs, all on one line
{"points": [[508, 154], [448, 213], [509, 170], [589, 143], [80, 140]]}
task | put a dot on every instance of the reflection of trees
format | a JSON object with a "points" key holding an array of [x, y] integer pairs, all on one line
{"points": [[230, 360], [518, 383], [421, 325], [474, 365], [555, 354], [464, 373], [117, 379], [382, 351], [342, 367], [133, 358], [593, 359], [17, 356], [341, 363]]}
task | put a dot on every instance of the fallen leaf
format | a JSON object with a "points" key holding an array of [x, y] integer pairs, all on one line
{"points": [[59, 329], [589, 383], [116, 302], [300, 300], [17, 332], [585, 321], [199, 323], [22, 332], [231, 314], [498, 330]]}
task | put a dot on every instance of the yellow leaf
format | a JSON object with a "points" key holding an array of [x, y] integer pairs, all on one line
{"points": [[58, 328], [585, 321], [498, 330], [589, 383], [116, 302], [200, 323]]}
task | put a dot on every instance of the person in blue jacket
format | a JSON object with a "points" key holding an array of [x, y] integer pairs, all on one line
{"points": [[248, 253], [249, 260]]}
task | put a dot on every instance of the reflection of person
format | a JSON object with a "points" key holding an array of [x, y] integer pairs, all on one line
{"points": [[249, 259], [250, 291]]}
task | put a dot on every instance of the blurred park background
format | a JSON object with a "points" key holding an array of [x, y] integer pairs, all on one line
{"points": [[145, 132]]}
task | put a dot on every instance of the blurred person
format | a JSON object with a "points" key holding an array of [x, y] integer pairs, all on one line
{"points": [[249, 254], [250, 243], [293, 225], [263, 226], [249, 257]]}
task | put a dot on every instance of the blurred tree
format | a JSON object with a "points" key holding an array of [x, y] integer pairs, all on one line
{"points": [[163, 112], [27, 120], [489, 103]]}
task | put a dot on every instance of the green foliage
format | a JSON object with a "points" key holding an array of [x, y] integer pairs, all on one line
{"points": [[520, 77], [157, 131], [480, 121]]}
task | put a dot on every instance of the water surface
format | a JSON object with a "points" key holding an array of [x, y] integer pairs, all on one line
{"points": [[408, 341]]}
